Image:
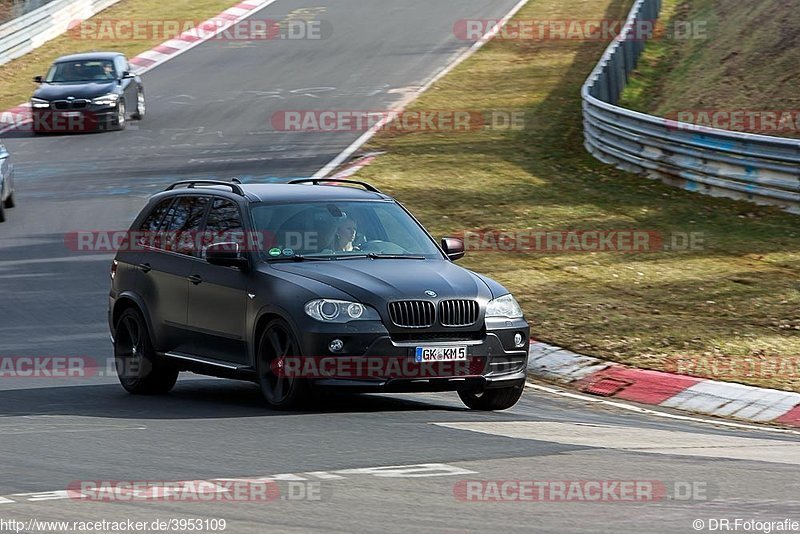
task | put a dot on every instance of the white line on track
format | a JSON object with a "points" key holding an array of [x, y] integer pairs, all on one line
{"points": [[366, 136]]}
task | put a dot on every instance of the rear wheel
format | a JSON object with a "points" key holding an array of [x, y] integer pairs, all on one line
{"points": [[139, 368], [491, 399], [278, 343], [2, 213]]}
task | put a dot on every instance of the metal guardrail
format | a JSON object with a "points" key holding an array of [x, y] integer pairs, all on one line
{"points": [[23, 34], [758, 168]]}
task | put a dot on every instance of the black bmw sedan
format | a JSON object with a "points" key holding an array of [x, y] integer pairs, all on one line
{"points": [[87, 92], [296, 286]]}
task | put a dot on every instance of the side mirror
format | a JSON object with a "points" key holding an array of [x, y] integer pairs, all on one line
{"points": [[453, 247], [226, 255], [126, 75], [38, 79]]}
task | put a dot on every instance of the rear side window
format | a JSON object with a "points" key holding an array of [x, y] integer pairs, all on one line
{"points": [[153, 221], [181, 226], [224, 224]]}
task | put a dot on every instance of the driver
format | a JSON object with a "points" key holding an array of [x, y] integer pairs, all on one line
{"points": [[345, 235]]}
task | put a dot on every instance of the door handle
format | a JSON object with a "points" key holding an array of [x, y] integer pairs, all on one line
{"points": [[195, 279], [145, 267]]}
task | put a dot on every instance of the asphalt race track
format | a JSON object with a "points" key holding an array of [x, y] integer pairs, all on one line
{"points": [[208, 115]]}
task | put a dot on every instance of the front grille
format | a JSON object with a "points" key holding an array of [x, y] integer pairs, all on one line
{"points": [[412, 313], [62, 105], [458, 312]]}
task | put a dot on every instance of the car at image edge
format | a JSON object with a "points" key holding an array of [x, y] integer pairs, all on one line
{"points": [[6, 182]]}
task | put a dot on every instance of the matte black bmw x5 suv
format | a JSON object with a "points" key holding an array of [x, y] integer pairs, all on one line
{"points": [[297, 286]]}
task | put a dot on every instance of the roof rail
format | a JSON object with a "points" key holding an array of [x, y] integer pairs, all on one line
{"points": [[190, 184], [317, 181]]}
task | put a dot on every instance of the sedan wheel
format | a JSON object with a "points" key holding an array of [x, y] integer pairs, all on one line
{"points": [[121, 115], [277, 344], [141, 107]]}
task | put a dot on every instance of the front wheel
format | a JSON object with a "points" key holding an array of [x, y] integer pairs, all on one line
{"points": [[121, 115], [10, 201], [139, 368], [491, 399], [278, 343], [141, 108]]}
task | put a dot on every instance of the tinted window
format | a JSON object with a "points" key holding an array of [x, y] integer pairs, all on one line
{"points": [[82, 71], [153, 221], [182, 225], [340, 228], [224, 224]]}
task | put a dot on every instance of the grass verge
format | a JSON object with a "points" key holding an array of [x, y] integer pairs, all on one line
{"points": [[16, 77], [736, 298]]}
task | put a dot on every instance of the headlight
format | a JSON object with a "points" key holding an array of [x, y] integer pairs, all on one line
{"points": [[106, 100], [505, 306], [38, 103], [340, 311]]}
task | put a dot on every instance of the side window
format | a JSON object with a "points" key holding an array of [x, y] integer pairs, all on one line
{"points": [[224, 224], [182, 225], [149, 228]]}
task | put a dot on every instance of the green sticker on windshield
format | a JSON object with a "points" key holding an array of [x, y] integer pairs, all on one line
{"points": [[275, 251]]}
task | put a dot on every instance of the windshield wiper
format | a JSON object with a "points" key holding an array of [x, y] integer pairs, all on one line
{"points": [[376, 256], [299, 257]]}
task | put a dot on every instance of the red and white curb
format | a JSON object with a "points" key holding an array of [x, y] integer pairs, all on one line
{"points": [[698, 395], [19, 117]]}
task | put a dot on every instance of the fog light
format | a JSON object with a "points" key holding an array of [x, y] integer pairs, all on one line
{"points": [[336, 345], [519, 339]]}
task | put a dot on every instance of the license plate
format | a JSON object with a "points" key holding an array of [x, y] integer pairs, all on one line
{"points": [[69, 114], [440, 354]]}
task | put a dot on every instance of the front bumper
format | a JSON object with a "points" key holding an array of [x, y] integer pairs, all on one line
{"points": [[492, 358], [88, 119]]}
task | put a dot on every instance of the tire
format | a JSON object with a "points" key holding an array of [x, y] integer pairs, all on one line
{"points": [[276, 342], [139, 368], [121, 118], [2, 213], [491, 399], [141, 107], [10, 201]]}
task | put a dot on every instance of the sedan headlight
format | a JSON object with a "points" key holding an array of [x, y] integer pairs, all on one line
{"points": [[38, 103], [106, 100], [505, 306], [340, 311]]}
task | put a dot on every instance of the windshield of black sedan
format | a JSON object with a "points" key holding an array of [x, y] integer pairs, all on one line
{"points": [[81, 71], [337, 230]]}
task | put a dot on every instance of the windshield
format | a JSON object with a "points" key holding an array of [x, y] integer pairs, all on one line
{"points": [[338, 230], [81, 71]]}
